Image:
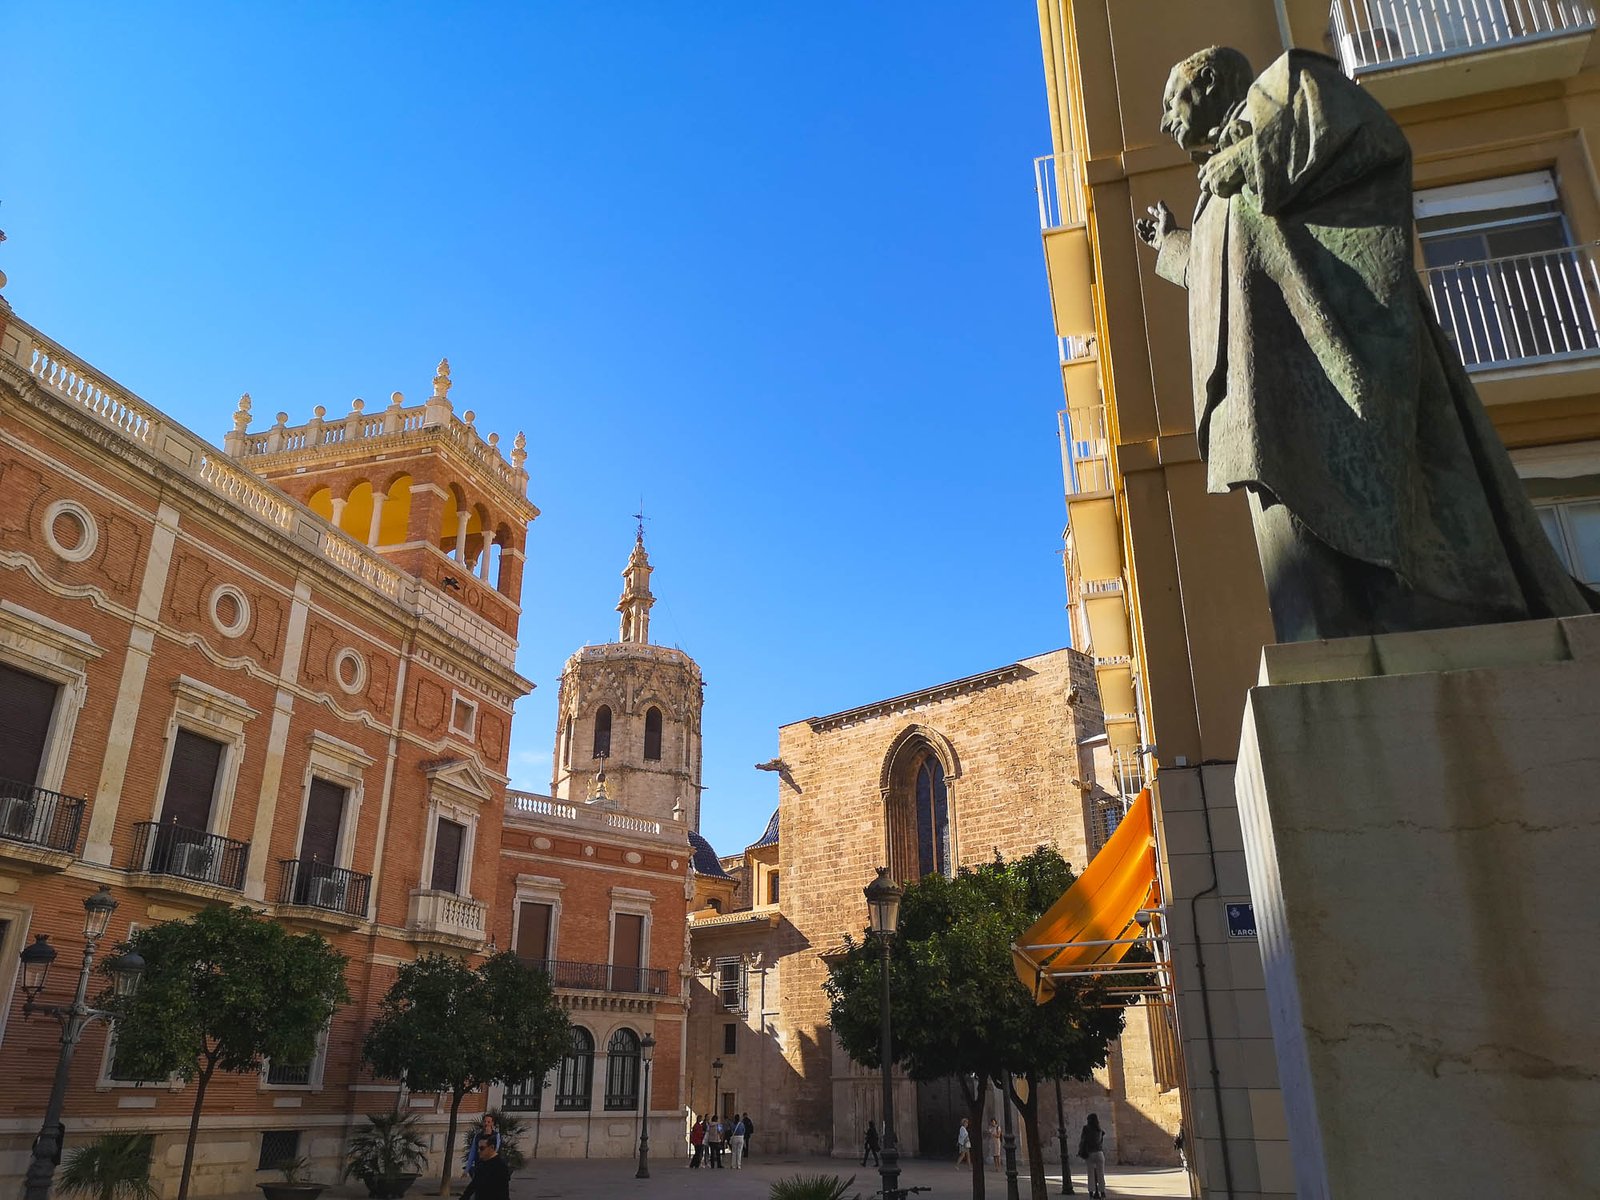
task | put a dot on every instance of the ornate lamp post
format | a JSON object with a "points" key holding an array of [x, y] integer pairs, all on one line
{"points": [[716, 1086], [74, 1019], [883, 913], [647, 1049], [1061, 1134]]}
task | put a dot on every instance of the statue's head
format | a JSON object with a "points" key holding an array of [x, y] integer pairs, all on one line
{"points": [[1200, 91]]}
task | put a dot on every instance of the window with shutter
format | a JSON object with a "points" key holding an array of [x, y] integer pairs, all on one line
{"points": [[627, 952], [533, 931], [29, 706], [319, 841], [448, 839], [191, 781]]}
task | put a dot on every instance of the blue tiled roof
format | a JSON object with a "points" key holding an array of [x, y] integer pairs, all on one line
{"points": [[705, 858], [769, 837]]}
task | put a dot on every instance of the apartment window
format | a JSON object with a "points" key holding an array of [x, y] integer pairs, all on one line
{"points": [[602, 732], [278, 1146], [772, 886], [575, 1074], [730, 983], [191, 781], [627, 951], [463, 716], [622, 1071], [289, 1074], [534, 922], [1574, 530], [319, 839], [448, 839], [652, 735], [1506, 282], [730, 1038], [25, 732]]}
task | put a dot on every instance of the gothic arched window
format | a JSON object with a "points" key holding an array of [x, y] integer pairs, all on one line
{"points": [[575, 1075], [652, 735], [933, 819], [566, 745], [602, 732], [622, 1071]]}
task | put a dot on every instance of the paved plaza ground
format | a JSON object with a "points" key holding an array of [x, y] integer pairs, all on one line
{"points": [[608, 1179]]}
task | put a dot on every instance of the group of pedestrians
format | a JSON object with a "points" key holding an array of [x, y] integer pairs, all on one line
{"points": [[711, 1137], [1091, 1148]]}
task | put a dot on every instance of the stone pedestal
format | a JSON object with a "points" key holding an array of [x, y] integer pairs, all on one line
{"points": [[1421, 818]]}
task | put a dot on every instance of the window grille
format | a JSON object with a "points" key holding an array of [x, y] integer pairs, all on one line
{"points": [[278, 1146], [622, 1071]]}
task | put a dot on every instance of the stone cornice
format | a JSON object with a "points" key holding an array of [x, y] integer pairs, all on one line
{"points": [[896, 704]]}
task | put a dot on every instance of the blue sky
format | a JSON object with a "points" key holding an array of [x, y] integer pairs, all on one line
{"points": [[774, 267]]}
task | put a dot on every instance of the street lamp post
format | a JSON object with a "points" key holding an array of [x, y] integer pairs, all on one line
{"points": [[883, 911], [1008, 1123], [647, 1048], [716, 1086], [1061, 1134], [74, 1019]]}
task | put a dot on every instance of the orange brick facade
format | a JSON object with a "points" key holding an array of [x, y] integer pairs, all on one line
{"points": [[174, 597]]}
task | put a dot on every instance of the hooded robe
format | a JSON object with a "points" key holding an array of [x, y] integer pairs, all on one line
{"points": [[1322, 381]]}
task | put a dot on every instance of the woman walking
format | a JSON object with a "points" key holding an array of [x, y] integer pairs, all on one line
{"points": [[1092, 1149], [964, 1144]]}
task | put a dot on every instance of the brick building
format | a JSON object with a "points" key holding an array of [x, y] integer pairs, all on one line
{"points": [[283, 676], [1006, 760]]}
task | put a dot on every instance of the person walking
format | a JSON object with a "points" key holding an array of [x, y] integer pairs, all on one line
{"points": [[1092, 1149], [714, 1140], [491, 1180], [491, 1130], [964, 1144], [869, 1145], [749, 1128], [992, 1135], [697, 1143], [736, 1143]]}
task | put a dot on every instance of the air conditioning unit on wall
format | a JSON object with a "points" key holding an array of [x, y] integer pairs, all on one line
{"points": [[16, 816], [191, 860], [324, 893]]}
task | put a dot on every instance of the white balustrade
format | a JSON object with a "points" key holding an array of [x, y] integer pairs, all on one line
{"points": [[54, 368], [1376, 34], [1521, 309], [446, 914], [1086, 448]]}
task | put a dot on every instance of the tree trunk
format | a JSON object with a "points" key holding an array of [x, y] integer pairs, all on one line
{"points": [[1030, 1129], [194, 1126], [976, 1100], [456, 1096]]}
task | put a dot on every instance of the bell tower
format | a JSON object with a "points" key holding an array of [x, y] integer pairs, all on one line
{"points": [[631, 709]]}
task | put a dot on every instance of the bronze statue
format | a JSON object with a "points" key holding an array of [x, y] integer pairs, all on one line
{"points": [[1381, 496]]}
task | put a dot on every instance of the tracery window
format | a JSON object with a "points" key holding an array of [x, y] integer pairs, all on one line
{"points": [[933, 819]]}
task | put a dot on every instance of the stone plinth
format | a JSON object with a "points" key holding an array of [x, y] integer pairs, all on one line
{"points": [[1421, 817]]}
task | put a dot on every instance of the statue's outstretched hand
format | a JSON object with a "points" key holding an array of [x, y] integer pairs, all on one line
{"points": [[1153, 230]]}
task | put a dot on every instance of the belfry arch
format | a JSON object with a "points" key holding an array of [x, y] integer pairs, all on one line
{"points": [[916, 782]]}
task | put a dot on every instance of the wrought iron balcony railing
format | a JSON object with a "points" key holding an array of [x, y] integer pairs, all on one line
{"points": [[1371, 35], [1522, 309], [603, 977], [37, 817], [192, 854], [320, 885]]}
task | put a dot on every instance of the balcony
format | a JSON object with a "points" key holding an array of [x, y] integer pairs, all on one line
{"points": [[1521, 310], [1416, 51], [328, 889], [603, 977], [192, 855], [38, 825], [437, 916], [1068, 259]]}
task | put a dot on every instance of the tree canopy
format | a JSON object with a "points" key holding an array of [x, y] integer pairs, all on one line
{"points": [[448, 1027], [957, 1008], [223, 990]]}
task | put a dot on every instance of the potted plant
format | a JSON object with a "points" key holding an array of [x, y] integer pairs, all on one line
{"points": [[115, 1166], [387, 1155], [294, 1185]]}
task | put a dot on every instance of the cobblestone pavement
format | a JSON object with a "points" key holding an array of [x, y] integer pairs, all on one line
{"points": [[592, 1179]]}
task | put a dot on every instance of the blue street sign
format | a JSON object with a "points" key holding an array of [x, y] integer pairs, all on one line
{"points": [[1241, 920]]}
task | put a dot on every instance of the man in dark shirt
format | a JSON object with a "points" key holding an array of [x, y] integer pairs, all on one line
{"points": [[491, 1181], [749, 1128]]}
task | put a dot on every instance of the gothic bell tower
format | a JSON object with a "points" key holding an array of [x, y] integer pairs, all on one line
{"points": [[631, 710]]}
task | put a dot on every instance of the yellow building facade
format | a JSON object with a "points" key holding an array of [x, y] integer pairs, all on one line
{"points": [[1499, 101]]}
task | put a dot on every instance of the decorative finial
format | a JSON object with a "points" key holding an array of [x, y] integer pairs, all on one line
{"points": [[396, 400], [519, 450], [469, 416], [283, 419], [357, 404], [494, 441], [441, 381], [320, 411], [640, 518], [241, 419]]}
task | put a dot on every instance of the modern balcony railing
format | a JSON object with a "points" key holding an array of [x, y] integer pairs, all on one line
{"points": [[1059, 190], [1373, 35], [1523, 309], [1087, 449], [34, 816], [191, 854], [320, 885], [603, 977]]}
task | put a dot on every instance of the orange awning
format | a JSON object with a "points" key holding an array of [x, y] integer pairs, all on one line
{"points": [[1089, 926]]}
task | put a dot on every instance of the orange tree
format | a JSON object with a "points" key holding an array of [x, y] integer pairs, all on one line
{"points": [[957, 1008]]}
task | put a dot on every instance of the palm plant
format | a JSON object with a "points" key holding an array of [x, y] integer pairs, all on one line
{"points": [[811, 1187], [386, 1151], [115, 1166]]}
